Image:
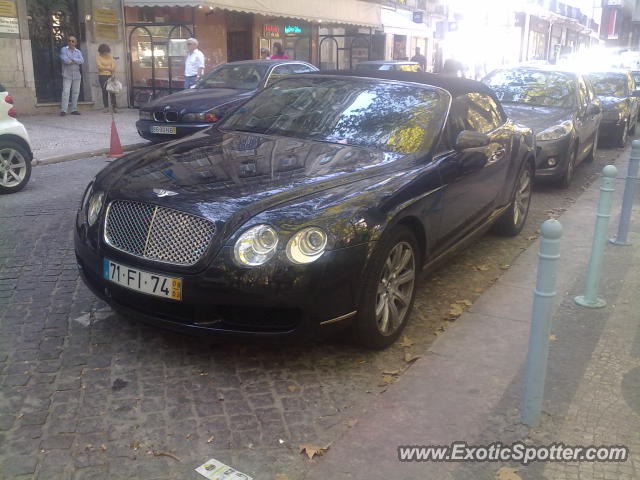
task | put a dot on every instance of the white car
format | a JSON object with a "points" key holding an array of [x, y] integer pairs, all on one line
{"points": [[15, 149]]}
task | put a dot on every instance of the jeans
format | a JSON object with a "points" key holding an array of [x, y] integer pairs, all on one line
{"points": [[72, 86], [106, 95], [188, 81]]}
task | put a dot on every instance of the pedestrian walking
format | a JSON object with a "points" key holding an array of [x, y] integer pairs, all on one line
{"points": [[265, 54], [421, 59], [278, 52], [71, 59], [453, 68], [193, 64], [106, 71]]}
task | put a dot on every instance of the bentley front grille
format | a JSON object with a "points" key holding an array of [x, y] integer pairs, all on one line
{"points": [[157, 233]]}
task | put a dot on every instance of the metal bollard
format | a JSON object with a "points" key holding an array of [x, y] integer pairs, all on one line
{"points": [[545, 291], [590, 298], [629, 194]]}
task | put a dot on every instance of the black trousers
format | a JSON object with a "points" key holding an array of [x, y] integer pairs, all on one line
{"points": [[105, 95]]}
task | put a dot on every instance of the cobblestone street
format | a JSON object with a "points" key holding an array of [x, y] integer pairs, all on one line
{"points": [[89, 394]]}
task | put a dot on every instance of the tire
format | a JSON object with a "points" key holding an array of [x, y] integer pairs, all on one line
{"points": [[15, 166], [390, 286], [512, 221], [632, 130], [565, 180], [623, 135], [594, 147]]}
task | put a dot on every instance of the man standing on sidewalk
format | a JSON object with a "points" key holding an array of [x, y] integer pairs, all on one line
{"points": [[193, 64], [71, 59]]}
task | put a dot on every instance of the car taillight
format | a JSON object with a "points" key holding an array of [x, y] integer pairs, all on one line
{"points": [[210, 117], [13, 112], [9, 99]]}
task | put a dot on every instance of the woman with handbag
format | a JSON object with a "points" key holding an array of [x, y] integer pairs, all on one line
{"points": [[106, 73]]}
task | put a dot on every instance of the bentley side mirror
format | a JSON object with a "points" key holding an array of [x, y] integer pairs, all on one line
{"points": [[593, 109], [469, 139]]}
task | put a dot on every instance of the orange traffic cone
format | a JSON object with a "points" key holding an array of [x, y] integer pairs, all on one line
{"points": [[115, 149]]}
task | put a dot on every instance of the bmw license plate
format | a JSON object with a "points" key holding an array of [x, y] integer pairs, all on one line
{"points": [[141, 281], [164, 130]]}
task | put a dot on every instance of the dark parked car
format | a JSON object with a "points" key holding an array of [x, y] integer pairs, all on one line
{"points": [[219, 90], [313, 206], [392, 65], [616, 91], [562, 110]]}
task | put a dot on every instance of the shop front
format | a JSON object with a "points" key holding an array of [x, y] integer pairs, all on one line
{"points": [[294, 35], [538, 35]]}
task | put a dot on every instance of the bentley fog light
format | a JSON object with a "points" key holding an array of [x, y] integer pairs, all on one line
{"points": [[95, 205], [256, 246], [307, 245]]}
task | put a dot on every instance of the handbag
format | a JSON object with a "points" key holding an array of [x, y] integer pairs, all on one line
{"points": [[113, 86]]}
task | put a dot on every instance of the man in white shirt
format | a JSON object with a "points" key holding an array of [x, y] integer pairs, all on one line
{"points": [[193, 64]]}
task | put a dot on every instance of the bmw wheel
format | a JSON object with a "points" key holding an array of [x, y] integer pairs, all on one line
{"points": [[15, 167], [567, 176], [594, 147], [389, 291], [623, 134]]}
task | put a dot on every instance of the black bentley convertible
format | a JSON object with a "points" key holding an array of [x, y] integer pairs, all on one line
{"points": [[313, 206]]}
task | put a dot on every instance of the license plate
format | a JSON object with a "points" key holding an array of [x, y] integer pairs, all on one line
{"points": [[141, 281], [165, 130]]}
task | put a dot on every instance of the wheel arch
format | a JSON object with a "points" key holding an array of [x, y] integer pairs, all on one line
{"points": [[418, 230], [20, 141]]}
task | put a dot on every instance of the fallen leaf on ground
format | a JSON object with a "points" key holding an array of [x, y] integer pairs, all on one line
{"points": [[292, 388], [203, 373], [506, 473], [466, 302], [478, 290], [312, 450], [455, 310], [406, 342], [187, 436], [387, 380], [409, 357], [352, 423], [210, 439], [280, 476], [482, 268], [103, 447], [391, 372], [552, 336], [505, 267], [532, 237], [220, 397], [135, 445], [164, 453]]}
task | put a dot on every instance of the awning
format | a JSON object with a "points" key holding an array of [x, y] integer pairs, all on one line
{"points": [[325, 11], [398, 24]]}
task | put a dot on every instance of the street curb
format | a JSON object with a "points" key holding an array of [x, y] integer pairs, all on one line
{"points": [[76, 156]]}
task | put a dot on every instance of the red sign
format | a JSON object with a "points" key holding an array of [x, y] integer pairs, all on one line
{"points": [[271, 31]]}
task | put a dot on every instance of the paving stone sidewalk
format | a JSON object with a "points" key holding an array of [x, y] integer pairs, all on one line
{"points": [[54, 138]]}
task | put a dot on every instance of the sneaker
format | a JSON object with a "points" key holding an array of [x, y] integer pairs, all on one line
{"points": [[106, 110], [115, 110], [62, 114], [75, 112]]}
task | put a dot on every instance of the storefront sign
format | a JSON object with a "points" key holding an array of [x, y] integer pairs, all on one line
{"points": [[292, 29], [9, 25], [105, 15], [105, 30], [271, 31], [8, 9]]}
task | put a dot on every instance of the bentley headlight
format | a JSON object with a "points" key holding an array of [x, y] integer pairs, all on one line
{"points": [[555, 132], [307, 245], [144, 115], [95, 205], [256, 246]]}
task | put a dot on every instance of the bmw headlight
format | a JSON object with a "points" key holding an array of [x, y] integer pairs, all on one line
{"points": [[206, 117], [95, 205], [144, 115], [555, 132], [256, 246], [307, 245]]}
